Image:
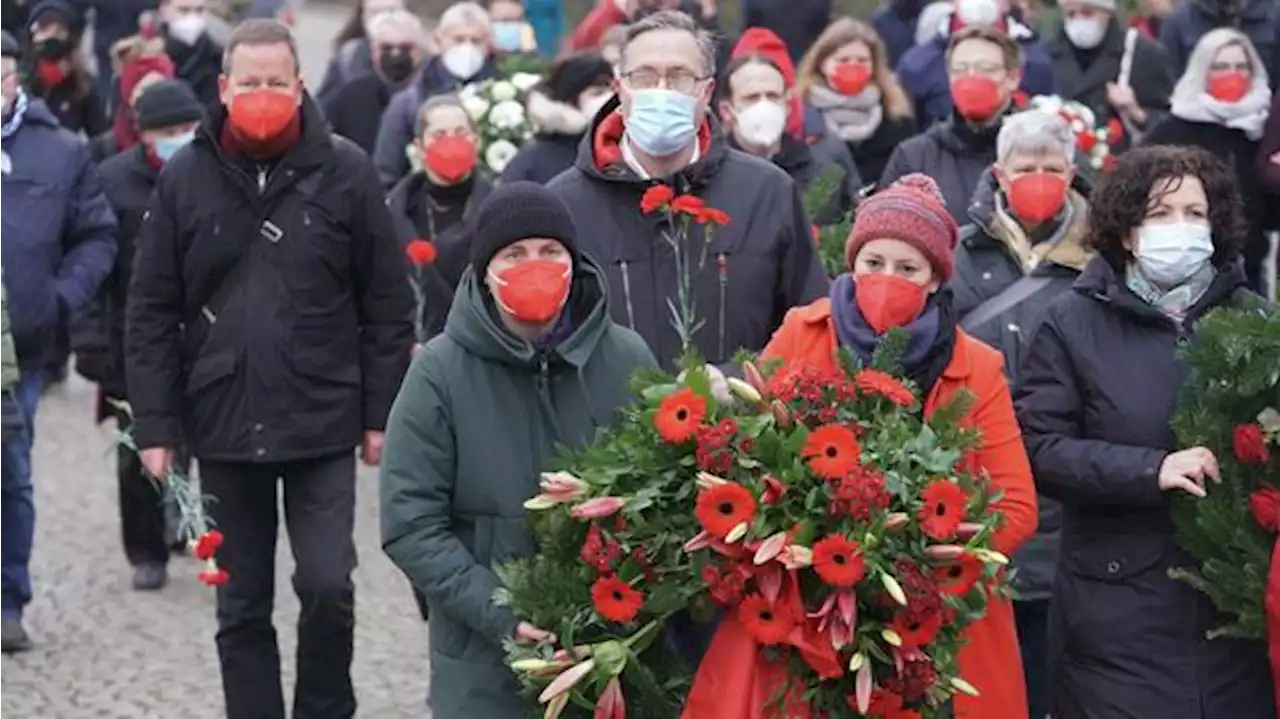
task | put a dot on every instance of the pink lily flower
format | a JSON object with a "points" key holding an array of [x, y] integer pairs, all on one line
{"points": [[611, 704], [598, 507]]}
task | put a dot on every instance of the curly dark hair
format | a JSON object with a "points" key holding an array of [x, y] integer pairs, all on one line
{"points": [[1122, 199]]}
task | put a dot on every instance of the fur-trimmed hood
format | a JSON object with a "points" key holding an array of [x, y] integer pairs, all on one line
{"points": [[551, 117]]}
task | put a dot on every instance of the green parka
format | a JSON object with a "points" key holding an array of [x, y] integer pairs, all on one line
{"points": [[477, 419]]}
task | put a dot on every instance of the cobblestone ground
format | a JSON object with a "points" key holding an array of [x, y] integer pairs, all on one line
{"points": [[102, 650]]}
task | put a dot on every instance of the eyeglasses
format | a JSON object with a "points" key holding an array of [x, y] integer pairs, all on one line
{"points": [[989, 69], [681, 81], [1244, 67]]}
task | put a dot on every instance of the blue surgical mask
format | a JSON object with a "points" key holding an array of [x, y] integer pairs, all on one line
{"points": [[661, 121], [167, 147], [508, 35], [1170, 253]]}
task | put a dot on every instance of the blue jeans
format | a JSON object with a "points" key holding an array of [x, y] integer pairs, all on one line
{"points": [[17, 502], [1032, 618]]}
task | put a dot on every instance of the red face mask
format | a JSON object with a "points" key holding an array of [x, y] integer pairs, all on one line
{"points": [[262, 114], [976, 97], [888, 301], [1230, 86], [451, 158], [850, 78], [50, 72], [1037, 196], [533, 292]]}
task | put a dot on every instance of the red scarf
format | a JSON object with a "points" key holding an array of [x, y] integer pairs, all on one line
{"points": [[123, 130], [265, 150], [153, 160]]}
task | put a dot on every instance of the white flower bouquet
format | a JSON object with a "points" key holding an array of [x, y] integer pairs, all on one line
{"points": [[497, 109]]}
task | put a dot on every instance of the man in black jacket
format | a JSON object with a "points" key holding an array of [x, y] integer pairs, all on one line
{"points": [[166, 114], [268, 325], [197, 57], [758, 266]]}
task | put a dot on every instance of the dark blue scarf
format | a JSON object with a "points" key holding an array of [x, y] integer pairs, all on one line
{"points": [[559, 333]]}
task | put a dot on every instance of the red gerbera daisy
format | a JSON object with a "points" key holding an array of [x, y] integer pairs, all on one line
{"points": [[832, 451], [724, 507], [872, 381], [838, 561], [916, 631], [616, 600], [679, 415], [943, 510], [421, 252], [958, 577], [766, 622], [655, 198]]}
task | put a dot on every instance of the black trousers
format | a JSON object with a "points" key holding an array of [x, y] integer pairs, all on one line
{"points": [[319, 515], [142, 510]]}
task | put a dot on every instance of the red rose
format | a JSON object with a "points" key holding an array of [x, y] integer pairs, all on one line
{"points": [[1086, 140], [1250, 444], [655, 198], [1264, 504]]}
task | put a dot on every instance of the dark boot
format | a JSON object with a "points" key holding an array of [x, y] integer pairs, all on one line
{"points": [[150, 577], [13, 638]]}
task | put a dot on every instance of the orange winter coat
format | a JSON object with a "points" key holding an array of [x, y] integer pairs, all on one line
{"points": [[990, 659]]}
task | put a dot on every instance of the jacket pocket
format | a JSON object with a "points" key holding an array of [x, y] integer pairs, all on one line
{"points": [[208, 369], [318, 258]]}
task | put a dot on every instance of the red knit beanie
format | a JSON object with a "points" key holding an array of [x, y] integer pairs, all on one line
{"points": [[910, 210]]}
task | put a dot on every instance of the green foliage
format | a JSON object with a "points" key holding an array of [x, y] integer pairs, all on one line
{"points": [[1234, 365], [830, 241]]}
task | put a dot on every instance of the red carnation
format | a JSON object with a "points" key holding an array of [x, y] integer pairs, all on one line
{"points": [[713, 216], [615, 600], [943, 510], [1249, 443], [655, 198], [215, 577], [421, 252], [1086, 140], [207, 545], [598, 551], [688, 204]]}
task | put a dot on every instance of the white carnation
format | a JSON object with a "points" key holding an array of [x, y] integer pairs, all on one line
{"points": [[525, 80], [502, 91], [498, 154], [507, 115], [475, 106]]}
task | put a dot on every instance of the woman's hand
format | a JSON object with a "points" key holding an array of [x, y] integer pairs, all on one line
{"points": [[526, 633], [1186, 470]]}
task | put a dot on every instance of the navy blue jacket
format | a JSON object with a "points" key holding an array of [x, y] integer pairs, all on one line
{"points": [[897, 28], [1258, 19], [59, 231], [923, 73]]}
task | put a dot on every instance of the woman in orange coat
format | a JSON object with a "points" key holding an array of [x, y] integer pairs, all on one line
{"points": [[900, 257]]}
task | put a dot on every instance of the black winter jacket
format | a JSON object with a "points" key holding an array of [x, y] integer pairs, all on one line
{"points": [[804, 166], [872, 154], [198, 65], [355, 109], [75, 102], [439, 214], [302, 351], [1094, 397], [554, 148], [953, 153], [758, 266]]}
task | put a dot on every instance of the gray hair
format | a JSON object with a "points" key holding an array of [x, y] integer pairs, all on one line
{"points": [[1035, 132], [434, 103], [464, 13], [402, 19], [671, 20], [260, 31]]}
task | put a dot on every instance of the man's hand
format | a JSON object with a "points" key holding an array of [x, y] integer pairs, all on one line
{"points": [[157, 461], [526, 633], [371, 447]]}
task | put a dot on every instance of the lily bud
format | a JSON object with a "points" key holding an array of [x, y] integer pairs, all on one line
{"points": [[598, 507], [534, 665], [797, 557], [706, 480], [781, 415], [893, 588], [968, 530], [891, 637], [752, 375], [895, 521], [738, 532], [744, 391], [856, 661], [773, 490], [561, 486], [990, 556], [964, 686], [567, 680], [770, 548], [944, 552], [556, 707]]}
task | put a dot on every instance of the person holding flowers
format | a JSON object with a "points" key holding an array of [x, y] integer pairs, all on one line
{"points": [[529, 360], [1095, 395], [900, 256]]}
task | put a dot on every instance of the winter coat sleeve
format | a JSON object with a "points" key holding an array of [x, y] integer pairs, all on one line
{"points": [[1268, 169], [1171, 38], [385, 302], [416, 492], [802, 278], [153, 315], [94, 114], [88, 238], [1068, 466], [395, 132], [1003, 455]]}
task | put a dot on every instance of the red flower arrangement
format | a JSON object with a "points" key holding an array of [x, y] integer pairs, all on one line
{"points": [[615, 600], [838, 561], [883, 384]]}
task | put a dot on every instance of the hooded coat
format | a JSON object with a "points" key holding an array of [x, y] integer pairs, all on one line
{"points": [[554, 148], [759, 265], [452, 508], [954, 153], [1095, 393], [990, 659]]}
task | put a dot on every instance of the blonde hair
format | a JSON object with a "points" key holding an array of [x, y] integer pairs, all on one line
{"points": [[843, 32], [1194, 78]]}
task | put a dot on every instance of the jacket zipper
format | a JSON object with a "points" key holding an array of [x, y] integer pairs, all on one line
{"points": [[722, 269], [626, 293], [262, 180]]}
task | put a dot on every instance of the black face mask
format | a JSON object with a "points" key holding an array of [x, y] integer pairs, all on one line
{"points": [[53, 48], [396, 67]]}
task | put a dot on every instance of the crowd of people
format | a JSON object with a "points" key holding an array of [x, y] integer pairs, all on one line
{"points": [[239, 258]]}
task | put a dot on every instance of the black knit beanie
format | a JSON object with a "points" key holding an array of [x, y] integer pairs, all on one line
{"points": [[520, 211], [59, 11], [569, 77], [165, 104]]}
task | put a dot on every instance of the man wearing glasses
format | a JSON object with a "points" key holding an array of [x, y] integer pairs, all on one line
{"points": [[658, 130], [59, 244]]}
